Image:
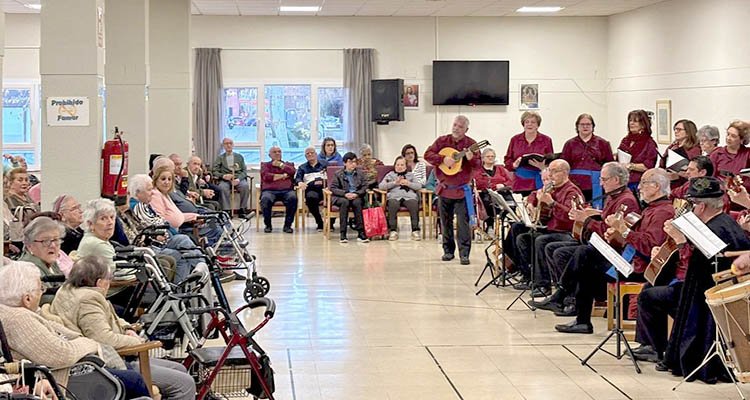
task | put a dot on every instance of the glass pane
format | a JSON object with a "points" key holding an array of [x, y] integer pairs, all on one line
{"points": [[250, 154], [28, 155], [16, 116], [241, 114], [287, 110], [331, 115]]}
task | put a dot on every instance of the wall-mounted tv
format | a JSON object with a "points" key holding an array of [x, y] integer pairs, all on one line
{"points": [[461, 83]]}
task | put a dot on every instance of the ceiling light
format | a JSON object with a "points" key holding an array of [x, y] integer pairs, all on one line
{"points": [[310, 9], [33, 6], [539, 9]]}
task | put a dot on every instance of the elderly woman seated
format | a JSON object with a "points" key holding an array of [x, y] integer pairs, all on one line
{"points": [[71, 215], [41, 240], [17, 194], [81, 306], [31, 337], [368, 164]]}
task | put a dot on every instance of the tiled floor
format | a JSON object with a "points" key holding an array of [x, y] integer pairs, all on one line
{"points": [[389, 320]]}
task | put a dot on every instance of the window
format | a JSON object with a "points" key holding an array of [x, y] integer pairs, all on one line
{"points": [[20, 135], [241, 114], [331, 114], [287, 123]]}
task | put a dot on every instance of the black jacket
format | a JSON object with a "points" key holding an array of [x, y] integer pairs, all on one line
{"points": [[340, 185]]}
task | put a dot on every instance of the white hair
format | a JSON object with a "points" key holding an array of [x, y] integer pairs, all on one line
{"points": [[463, 118], [40, 225], [17, 279], [162, 161], [662, 179], [95, 208], [137, 184]]}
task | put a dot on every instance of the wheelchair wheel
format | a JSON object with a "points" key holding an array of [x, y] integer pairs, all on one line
{"points": [[264, 283], [252, 291]]}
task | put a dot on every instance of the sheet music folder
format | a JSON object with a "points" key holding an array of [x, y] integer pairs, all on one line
{"points": [[699, 234], [611, 255], [623, 157], [676, 162]]}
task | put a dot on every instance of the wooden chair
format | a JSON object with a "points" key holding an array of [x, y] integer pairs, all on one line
{"points": [[302, 211], [626, 289], [141, 351], [403, 211], [330, 210], [277, 206]]}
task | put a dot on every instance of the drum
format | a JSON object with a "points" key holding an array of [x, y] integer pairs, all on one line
{"points": [[730, 305]]}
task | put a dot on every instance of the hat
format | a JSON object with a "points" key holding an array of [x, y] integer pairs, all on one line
{"points": [[704, 187]]}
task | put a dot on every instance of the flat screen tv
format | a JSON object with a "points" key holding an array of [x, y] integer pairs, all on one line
{"points": [[461, 83]]}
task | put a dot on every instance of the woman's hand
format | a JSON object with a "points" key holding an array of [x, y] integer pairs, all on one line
{"points": [[44, 390], [517, 163]]}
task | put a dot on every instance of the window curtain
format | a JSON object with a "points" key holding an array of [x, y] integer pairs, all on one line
{"points": [[207, 94], [358, 71]]}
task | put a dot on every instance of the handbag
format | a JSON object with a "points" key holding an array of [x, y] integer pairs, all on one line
{"points": [[15, 225], [374, 220]]}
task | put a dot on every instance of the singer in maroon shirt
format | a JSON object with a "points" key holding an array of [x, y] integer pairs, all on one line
{"points": [[527, 142], [450, 188], [277, 184], [734, 156], [586, 151], [640, 145], [685, 144]]}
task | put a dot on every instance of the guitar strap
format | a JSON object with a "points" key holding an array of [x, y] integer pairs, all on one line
{"points": [[596, 187], [528, 173]]}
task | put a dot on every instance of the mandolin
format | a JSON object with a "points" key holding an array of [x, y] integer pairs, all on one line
{"points": [[458, 156], [668, 248], [630, 219], [589, 214], [734, 183], [543, 211]]}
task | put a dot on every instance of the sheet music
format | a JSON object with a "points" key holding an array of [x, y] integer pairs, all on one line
{"points": [[611, 255], [522, 210], [623, 157], [497, 198], [699, 234], [314, 176], [674, 158]]}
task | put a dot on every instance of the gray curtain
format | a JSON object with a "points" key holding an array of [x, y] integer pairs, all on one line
{"points": [[207, 95], [358, 71]]}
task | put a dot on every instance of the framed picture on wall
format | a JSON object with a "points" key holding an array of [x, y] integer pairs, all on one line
{"points": [[411, 96], [529, 96], [663, 121]]}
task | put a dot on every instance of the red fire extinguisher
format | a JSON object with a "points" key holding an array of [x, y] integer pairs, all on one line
{"points": [[115, 169]]}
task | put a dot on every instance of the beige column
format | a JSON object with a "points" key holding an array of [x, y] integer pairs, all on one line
{"points": [[169, 100], [72, 71], [2, 57], [126, 70]]}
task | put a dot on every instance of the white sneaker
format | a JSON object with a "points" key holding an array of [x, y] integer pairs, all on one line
{"points": [[393, 235], [416, 235]]}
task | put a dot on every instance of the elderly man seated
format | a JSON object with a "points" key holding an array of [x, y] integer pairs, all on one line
{"points": [[195, 187], [311, 178], [230, 172], [277, 184]]}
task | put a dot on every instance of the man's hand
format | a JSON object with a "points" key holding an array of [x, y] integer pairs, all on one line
{"points": [[546, 198], [131, 332], [208, 193], [499, 186], [609, 233], [469, 155], [655, 250], [351, 196], [672, 231], [302, 185], [193, 196], [279, 177], [277, 163], [744, 222], [575, 214], [227, 177], [742, 198], [741, 265], [449, 161]]}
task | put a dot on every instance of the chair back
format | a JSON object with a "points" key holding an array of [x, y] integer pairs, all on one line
{"points": [[331, 172], [428, 170], [382, 171]]}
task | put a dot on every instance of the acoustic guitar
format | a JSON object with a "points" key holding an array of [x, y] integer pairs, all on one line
{"points": [[543, 211], [630, 219], [458, 156], [667, 249], [580, 233]]}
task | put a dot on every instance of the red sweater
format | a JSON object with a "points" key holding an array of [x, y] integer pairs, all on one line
{"points": [[563, 196], [649, 232], [643, 150], [450, 186], [485, 181], [517, 147], [611, 205], [589, 155], [267, 170]]}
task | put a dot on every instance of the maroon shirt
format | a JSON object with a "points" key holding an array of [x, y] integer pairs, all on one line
{"points": [[451, 186], [649, 232], [589, 155], [688, 153], [563, 196], [517, 147], [726, 161], [267, 170], [611, 205], [643, 150], [485, 181]]}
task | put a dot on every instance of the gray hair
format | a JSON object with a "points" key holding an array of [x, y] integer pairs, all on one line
{"points": [[18, 279], [162, 161], [661, 178], [617, 170], [710, 132], [94, 209], [365, 147], [87, 270], [39, 225], [137, 184], [311, 148], [462, 118], [716, 203], [488, 150]]}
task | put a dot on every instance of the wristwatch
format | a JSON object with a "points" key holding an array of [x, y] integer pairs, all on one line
{"points": [[626, 233]]}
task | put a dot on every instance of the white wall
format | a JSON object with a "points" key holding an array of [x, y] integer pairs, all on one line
{"points": [[22, 37], [694, 52], [566, 56]]}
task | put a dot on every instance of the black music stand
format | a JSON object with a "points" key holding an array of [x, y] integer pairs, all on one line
{"points": [[616, 331], [503, 213], [533, 231]]}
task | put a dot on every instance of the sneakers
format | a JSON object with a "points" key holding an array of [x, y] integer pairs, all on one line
{"points": [[447, 257], [268, 229], [344, 240], [465, 261], [393, 235], [288, 229], [416, 236], [362, 238]]}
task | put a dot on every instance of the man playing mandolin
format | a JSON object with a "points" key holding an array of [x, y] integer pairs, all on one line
{"points": [[452, 189]]}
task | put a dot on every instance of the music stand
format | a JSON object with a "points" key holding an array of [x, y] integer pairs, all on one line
{"points": [[710, 245], [503, 211], [621, 267], [533, 230]]}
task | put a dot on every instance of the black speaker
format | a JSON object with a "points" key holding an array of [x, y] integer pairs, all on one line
{"points": [[387, 100]]}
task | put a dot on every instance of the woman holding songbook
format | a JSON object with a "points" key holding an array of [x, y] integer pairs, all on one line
{"points": [[490, 176], [639, 146], [587, 153], [525, 155], [686, 146]]}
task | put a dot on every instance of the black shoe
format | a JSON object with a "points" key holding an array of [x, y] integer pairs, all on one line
{"points": [[319, 228], [448, 257], [568, 311], [574, 327], [268, 229], [465, 261], [288, 229], [523, 285], [547, 304], [644, 349], [661, 366], [647, 357], [540, 291]]}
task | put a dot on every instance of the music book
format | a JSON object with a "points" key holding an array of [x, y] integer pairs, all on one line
{"points": [[623, 157], [499, 200], [314, 176], [531, 156], [676, 162], [699, 234], [611, 255], [745, 171], [525, 218]]}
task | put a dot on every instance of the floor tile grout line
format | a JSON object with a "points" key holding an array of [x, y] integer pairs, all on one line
{"points": [[455, 389], [598, 373], [291, 372]]}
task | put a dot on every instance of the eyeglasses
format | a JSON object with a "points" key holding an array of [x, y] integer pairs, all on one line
{"points": [[49, 242], [676, 129], [646, 182], [554, 170], [605, 178], [585, 125]]}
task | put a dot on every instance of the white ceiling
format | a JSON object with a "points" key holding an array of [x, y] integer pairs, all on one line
{"points": [[400, 8]]}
